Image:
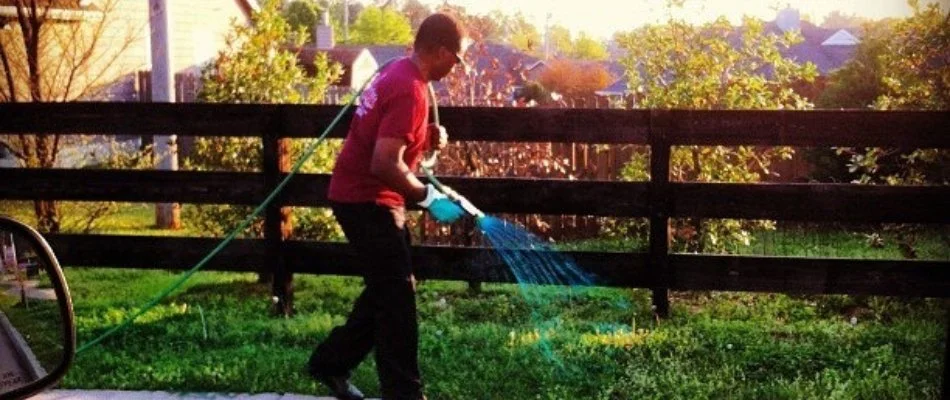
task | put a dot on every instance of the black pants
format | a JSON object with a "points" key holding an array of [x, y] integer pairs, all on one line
{"points": [[384, 316]]}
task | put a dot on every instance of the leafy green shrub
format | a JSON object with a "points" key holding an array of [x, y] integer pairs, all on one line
{"points": [[257, 67], [668, 66]]}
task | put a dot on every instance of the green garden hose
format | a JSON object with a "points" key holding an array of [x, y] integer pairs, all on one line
{"points": [[240, 228], [427, 166]]}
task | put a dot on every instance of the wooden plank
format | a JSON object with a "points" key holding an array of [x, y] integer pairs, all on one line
{"points": [[807, 275], [492, 195], [147, 252], [945, 390], [908, 129], [201, 119], [535, 196], [133, 186], [564, 125], [686, 272], [277, 220], [659, 206], [183, 119], [812, 202], [799, 202], [324, 258]]}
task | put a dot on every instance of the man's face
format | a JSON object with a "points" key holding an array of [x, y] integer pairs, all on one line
{"points": [[446, 60]]}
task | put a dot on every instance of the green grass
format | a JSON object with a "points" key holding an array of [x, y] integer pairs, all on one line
{"points": [[844, 242], [485, 345], [125, 219]]}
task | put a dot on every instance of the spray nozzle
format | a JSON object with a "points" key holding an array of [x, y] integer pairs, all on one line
{"points": [[469, 207]]}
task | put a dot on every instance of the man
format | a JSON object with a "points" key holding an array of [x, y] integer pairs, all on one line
{"points": [[372, 181]]}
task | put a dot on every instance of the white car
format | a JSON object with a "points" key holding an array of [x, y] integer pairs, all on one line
{"points": [[7, 159]]}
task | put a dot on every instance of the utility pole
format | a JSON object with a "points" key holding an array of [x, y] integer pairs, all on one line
{"points": [[547, 37], [167, 215], [346, 21]]}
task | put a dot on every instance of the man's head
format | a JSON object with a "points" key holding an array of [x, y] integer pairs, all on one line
{"points": [[439, 44]]}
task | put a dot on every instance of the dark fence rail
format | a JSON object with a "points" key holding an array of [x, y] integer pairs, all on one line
{"points": [[910, 129], [790, 202], [659, 200]]}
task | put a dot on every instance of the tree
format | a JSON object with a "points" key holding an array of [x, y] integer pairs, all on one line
{"points": [[256, 67], [904, 67], [44, 58], [560, 39], [859, 83], [416, 12], [901, 65], [522, 35], [912, 72], [479, 27], [839, 20], [335, 7], [588, 48], [575, 79], [678, 65], [303, 14], [917, 63], [381, 26]]}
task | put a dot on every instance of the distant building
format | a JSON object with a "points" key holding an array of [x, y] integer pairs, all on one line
{"points": [[197, 34]]}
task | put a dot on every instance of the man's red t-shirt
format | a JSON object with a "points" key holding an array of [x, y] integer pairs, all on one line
{"points": [[394, 105]]}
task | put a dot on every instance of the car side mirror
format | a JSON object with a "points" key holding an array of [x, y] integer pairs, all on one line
{"points": [[37, 329]]}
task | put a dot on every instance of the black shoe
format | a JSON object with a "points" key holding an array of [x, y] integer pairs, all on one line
{"points": [[340, 387]]}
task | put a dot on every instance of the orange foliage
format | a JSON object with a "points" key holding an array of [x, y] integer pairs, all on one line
{"points": [[575, 79]]}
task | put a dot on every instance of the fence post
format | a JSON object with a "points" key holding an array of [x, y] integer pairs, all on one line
{"points": [[945, 391], [277, 219], [659, 205]]}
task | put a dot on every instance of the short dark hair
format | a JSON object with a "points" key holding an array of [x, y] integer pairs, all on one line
{"points": [[439, 29]]}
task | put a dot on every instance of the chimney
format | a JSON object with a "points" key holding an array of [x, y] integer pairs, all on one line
{"points": [[324, 33]]}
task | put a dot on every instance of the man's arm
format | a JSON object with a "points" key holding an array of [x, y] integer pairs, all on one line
{"points": [[388, 166]]}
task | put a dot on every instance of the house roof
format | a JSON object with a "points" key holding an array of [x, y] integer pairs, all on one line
{"points": [[619, 87], [345, 56], [382, 53], [814, 49], [841, 38]]}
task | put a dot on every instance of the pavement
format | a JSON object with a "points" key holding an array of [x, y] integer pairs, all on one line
{"points": [[146, 395]]}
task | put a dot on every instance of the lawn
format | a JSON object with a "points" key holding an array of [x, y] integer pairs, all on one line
{"points": [[215, 334]]}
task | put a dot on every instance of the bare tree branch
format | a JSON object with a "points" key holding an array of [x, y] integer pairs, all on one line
{"points": [[83, 59], [7, 73], [16, 153]]}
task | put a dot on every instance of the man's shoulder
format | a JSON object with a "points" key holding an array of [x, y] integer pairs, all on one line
{"points": [[401, 79]]}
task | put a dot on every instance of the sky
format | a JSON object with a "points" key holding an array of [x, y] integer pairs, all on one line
{"points": [[601, 18]]}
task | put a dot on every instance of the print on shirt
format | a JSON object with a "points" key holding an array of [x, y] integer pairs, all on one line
{"points": [[368, 99]]}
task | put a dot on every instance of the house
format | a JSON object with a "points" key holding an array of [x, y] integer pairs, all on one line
{"points": [[358, 62], [198, 30]]}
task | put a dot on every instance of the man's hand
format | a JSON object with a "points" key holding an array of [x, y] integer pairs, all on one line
{"points": [[438, 137]]}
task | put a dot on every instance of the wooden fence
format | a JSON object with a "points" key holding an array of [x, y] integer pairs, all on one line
{"points": [[658, 200]]}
